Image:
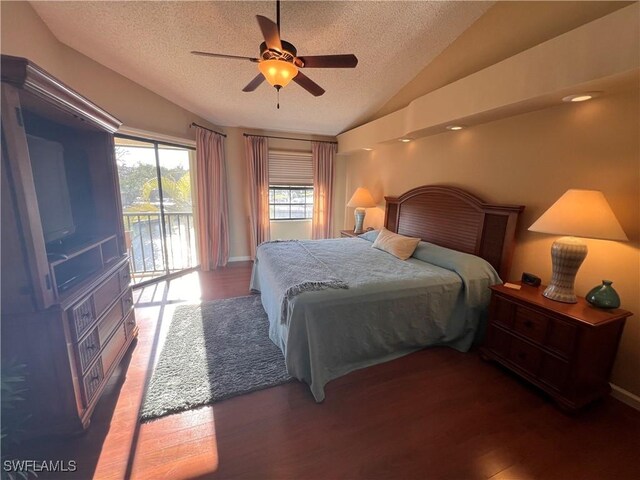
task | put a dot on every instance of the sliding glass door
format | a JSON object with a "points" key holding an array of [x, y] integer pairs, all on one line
{"points": [[155, 187]]}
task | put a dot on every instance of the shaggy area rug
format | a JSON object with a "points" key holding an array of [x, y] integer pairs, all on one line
{"points": [[213, 351]]}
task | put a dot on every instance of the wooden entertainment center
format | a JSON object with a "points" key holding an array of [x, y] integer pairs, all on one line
{"points": [[67, 305]]}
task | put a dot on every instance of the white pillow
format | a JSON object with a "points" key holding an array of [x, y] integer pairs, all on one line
{"points": [[397, 245]]}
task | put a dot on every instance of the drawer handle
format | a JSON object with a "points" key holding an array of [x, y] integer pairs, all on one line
{"points": [[90, 347], [131, 322], [84, 316], [128, 300], [95, 378]]}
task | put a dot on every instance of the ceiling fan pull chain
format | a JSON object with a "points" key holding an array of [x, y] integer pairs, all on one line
{"points": [[278, 105]]}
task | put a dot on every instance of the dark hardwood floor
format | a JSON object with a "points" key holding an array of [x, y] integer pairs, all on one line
{"points": [[436, 414]]}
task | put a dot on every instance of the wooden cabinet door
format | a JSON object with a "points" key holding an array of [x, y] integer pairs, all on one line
{"points": [[30, 228]]}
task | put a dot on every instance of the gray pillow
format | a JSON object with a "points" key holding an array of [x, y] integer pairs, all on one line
{"points": [[370, 236]]}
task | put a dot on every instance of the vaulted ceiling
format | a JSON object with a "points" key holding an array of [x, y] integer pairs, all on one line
{"points": [[149, 43]]}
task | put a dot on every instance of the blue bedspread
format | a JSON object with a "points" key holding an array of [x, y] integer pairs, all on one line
{"points": [[390, 308]]}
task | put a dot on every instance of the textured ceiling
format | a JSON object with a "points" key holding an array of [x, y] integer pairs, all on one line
{"points": [[149, 42]]}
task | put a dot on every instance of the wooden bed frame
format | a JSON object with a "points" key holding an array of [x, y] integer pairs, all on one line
{"points": [[453, 218]]}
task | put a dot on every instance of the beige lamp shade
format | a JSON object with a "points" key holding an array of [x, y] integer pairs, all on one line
{"points": [[580, 213], [577, 213], [361, 198]]}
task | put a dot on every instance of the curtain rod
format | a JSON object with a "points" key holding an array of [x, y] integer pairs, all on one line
{"points": [[194, 124], [287, 138]]}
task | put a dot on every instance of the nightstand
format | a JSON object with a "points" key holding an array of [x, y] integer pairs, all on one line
{"points": [[565, 349], [348, 233]]}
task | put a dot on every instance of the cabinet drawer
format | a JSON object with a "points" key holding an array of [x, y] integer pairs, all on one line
{"points": [[525, 355], [113, 348], [531, 324], [82, 317], [88, 349], [91, 382], [106, 293], [127, 302], [561, 337], [109, 322], [502, 311], [130, 324], [125, 278]]}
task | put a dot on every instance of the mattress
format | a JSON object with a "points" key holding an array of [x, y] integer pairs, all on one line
{"points": [[388, 309]]}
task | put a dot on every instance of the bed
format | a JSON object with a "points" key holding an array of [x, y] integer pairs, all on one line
{"points": [[338, 305]]}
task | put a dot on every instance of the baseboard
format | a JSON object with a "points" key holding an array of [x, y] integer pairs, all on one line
{"points": [[625, 396], [239, 259]]}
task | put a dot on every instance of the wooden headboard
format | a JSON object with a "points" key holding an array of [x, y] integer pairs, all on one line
{"points": [[453, 218]]}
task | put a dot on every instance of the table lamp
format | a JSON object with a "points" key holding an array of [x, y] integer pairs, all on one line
{"points": [[577, 213], [360, 199]]}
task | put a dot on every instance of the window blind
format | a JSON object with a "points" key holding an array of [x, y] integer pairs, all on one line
{"points": [[290, 168]]}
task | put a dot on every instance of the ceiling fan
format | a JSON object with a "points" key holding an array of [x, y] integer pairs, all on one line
{"points": [[279, 63]]}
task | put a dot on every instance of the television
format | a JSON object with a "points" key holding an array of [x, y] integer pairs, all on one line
{"points": [[52, 191]]}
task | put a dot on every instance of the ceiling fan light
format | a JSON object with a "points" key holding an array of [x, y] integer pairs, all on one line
{"points": [[278, 72]]}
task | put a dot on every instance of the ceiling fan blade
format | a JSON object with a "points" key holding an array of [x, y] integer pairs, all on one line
{"points": [[253, 84], [309, 85], [221, 55], [329, 61], [270, 33]]}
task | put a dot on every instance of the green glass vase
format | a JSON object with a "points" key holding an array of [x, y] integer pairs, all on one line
{"points": [[604, 296]]}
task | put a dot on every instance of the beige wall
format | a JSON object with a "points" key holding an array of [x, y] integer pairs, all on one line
{"points": [[531, 159]]}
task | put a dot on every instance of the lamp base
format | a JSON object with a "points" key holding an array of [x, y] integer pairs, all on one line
{"points": [[567, 254], [359, 215]]}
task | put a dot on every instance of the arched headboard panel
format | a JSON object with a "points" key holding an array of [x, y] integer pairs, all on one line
{"points": [[453, 218]]}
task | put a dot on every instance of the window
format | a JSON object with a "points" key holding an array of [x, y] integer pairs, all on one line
{"points": [[155, 189], [290, 202], [290, 185]]}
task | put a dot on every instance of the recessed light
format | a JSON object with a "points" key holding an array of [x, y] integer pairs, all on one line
{"points": [[454, 127], [405, 140], [367, 149], [580, 97]]}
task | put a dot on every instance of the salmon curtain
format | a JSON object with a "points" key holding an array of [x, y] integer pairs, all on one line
{"points": [[211, 193], [257, 157], [323, 155]]}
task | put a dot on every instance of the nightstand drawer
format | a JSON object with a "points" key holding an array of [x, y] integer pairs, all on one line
{"points": [[525, 356], [498, 341], [502, 311], [531, 324], [554, 372], [561, 337]]}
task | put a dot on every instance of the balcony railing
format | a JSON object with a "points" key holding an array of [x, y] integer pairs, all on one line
{"points": [[146, 246]]}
